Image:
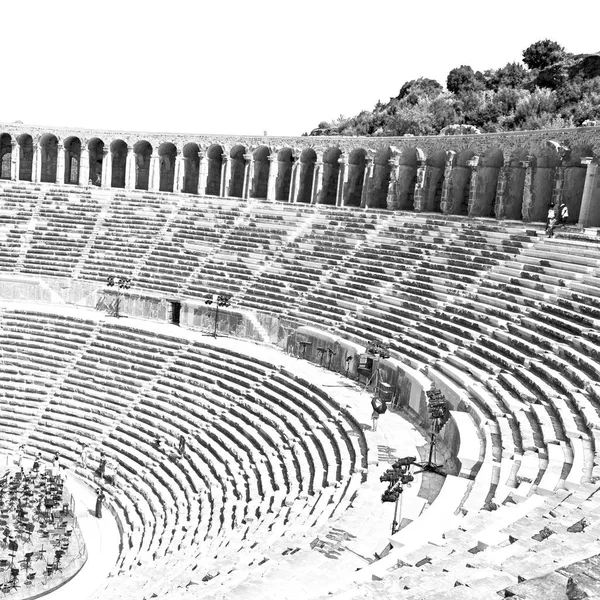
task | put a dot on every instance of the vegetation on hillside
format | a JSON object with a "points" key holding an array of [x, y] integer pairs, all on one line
{"points": [[552, 89]]}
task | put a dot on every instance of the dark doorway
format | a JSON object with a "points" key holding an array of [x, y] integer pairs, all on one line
{"points": [[175, 312]]}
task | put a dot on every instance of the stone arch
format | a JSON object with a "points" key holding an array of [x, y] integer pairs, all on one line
{"points": [[260, 182], [378, 188], [407, 178], [214, 156], [435, 173], [5, 156], [96, 156], [485, 186], [167, 154], [118, 151], [284, 175], [72, 146], [331, 174], [191, 168], [25, 142], [457, 185], [308, 159], [238, 167], [48, 157], [143, 153], [357, 161], [545, 160], [574, 180]]}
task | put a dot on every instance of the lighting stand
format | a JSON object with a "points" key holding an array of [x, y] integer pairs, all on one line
{"points": [[438, 412], [221, 300], [398, 477], [303, 346], [122, 283]]}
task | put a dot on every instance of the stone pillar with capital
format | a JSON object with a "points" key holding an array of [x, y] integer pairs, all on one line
{"points": [[367, 179], [36, 167], [273, 172], [317, 186], [340, 198], [84, 166], [179, 172], [60, 163], [559, 182], [106, 177], [294, 190], [392, 199], [225, 175], [589, 213], [527, 189], [474, 208], [202, 172], [422, 187], [446, 204], [130, 169], [248, 175], [502, 190], [154, 178], [15, 160]]}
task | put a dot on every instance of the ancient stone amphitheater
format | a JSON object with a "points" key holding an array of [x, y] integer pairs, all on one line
{"points": [[433, 246]]}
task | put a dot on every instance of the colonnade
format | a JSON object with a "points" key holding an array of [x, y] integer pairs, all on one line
{"points": [[491, 183]]}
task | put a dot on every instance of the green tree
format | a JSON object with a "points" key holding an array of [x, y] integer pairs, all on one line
{"points": [[542, 54], [463, 79]]}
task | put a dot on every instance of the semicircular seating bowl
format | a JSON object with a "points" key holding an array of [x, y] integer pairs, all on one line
{"points": [[505, 323], [262, 445]]}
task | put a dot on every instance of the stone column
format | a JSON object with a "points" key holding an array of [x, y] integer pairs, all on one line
{"points": [[225, 175], [273, 172], [130, 169], [421, 187], [559, 182], [60, 163], [527, 193], [368, 176], [295, 179], [474, 208], [202, 173], [317, 185], [154, 177], [248, 175], [502, 190], [36, 167], [392, 200], [589, 213], [106, 176], [446, 204], [84, 166], [15, 160], [340, 197], [179, 172]]}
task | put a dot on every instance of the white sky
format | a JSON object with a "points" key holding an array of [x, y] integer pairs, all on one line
{"points": [[248, 66]]}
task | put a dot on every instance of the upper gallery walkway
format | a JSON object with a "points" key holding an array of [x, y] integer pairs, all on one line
{"points": [[510, 175]]}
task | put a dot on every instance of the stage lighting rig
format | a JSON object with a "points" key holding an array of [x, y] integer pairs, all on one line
{"points": [[221, 301], [397, 477]]}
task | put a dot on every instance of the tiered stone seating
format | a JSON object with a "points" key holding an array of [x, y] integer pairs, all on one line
{"points": [[125, 233], [18, 204], [61, 230]]}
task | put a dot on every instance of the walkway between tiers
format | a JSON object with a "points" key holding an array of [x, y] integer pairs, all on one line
{"points": [[367, 522]]}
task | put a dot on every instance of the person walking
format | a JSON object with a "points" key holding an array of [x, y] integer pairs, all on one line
{"points": [[375, 419], [99, 501]]}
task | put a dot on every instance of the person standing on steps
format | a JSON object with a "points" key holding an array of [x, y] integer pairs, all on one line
{"points": [[550, 220]]}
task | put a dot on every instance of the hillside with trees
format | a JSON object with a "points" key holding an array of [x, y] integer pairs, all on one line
{"points": [[551, 89]]}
